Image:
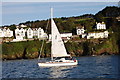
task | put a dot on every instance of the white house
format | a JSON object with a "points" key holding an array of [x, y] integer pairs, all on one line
{"points": [[23, 32], [19, 34], [84, 35], [4, 31], [23, 26], [29, 33], [40, 33], [80, 30], [35, 32], [63, 35], [45, 35], [7, 32], [98, 35], [100, 26], [106, 34], [1, 33]]}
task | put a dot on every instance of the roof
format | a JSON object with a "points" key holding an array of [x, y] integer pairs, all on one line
{"points": [[80, 27]]}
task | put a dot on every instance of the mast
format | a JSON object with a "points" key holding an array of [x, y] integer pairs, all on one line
{"points": [[51, 31]]}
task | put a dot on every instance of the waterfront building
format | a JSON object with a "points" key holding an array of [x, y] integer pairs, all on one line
{"points": [[100, 26], [118, 18], [97, 35], [6, 32], [1, 33], [9, 33], [18, 35], [23, 31], [63, 35], [80, 30], [106, 34], [83, 35], [35, 32], [40, 33], [23, 26], [29, 33]]}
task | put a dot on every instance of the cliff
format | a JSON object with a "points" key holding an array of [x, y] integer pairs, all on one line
{"points": [[31, 49]]}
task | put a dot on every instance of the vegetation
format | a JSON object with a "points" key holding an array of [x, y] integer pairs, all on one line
{"points": [[31, 49], [18, 50]]}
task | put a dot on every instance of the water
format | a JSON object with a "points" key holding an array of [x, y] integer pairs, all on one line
{"points": [[88, 67]]}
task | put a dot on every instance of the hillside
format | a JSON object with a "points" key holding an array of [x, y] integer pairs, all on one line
{"points": [[109, 12], [111, 45]]}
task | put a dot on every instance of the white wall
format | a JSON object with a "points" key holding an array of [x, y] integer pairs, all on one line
{"points": [[101, 26], [98, 35], [6, 32], [68, 35], [40, 33], [29, 33], [80, 31], [18, 34], [1, 33]]}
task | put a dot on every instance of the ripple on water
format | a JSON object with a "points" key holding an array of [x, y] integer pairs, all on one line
{"points": [[88, 67]]}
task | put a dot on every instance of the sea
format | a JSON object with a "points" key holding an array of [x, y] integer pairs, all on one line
{"points": [[89, 67]]}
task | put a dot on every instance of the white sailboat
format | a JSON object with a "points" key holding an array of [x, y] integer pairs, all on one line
{"points": [[59, 56]]}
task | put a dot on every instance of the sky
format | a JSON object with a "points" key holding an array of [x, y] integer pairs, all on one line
{"points": [[59, 0], [20, 12]]}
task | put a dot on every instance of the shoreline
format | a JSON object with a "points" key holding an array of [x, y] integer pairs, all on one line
{"points": [[49, 57]]}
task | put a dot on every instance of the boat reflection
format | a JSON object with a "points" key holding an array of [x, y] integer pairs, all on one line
{"points": [[60, 72]]}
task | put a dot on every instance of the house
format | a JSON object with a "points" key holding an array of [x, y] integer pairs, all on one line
{"points": [[106, 34], [118, 18], [100, 26], [23, 31], [4, 31], [35, 33], [19, 34], [80, 30], [84, 35], [29, 33], [63, 35], [66, 35], [7, 32], [23, 26], [40, 33], [97, 35], [1, 33]]}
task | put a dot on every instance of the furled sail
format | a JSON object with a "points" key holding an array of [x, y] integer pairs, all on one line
{"points": [[58, 47]]}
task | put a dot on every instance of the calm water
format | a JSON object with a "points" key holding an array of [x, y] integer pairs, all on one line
{"points": [[88, 67]]}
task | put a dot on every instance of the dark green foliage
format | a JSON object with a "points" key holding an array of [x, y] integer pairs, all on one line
{"points": [[47, 50], [86, 49], [108, 12], [29, 49], [73, 48]]}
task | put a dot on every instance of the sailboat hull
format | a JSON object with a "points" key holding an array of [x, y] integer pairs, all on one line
{"points": [[50, 64]]}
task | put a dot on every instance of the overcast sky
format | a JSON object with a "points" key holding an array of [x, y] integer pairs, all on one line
{"points": [[18, 12]]}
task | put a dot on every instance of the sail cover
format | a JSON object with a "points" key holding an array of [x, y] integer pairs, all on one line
{"points": [[58, 47]]}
